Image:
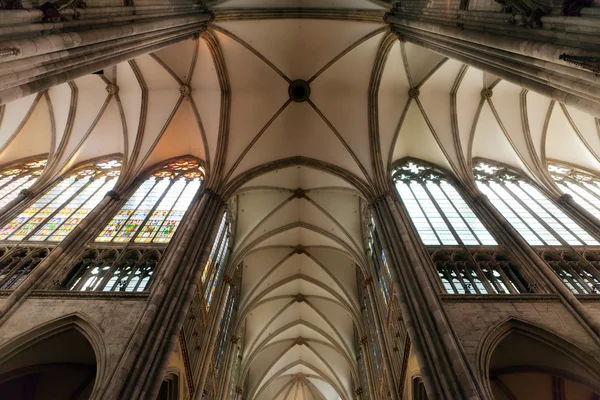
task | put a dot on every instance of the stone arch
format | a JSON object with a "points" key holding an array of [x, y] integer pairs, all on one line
{"points": [[526, 351], [170, 387], [34, 353]]}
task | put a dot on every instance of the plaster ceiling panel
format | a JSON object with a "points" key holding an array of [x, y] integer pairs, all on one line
{"points": [[343, 207], [300, 235], [13, 115], [60, 100], [299, 284], [435, 96], [181, 137], [507, 102], [206, 92], [277, 390], [364, 4], [255, 205], [299, 131], [130, 94], [163, 95], [178, 58], [301, 329], [537, 112], [468, 99], [265, 357], [420, 62], [343, 87], [489, 79], [587, 126], [290, 267], [298, 177], [392, 98], [28, 141], [259, 316], [341, 266], [336, 360], [258, 264], [338, 317], [257, 93], [329, 393], [91, 97], [300, 48], [562, 142], [106, 137], [490, 142], [155, 75], [416, 140]]}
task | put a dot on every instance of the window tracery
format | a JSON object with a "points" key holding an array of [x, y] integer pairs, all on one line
{"points": [[436, 209], [225, 324], [57, 212], [215, 265], [582, 186], [153, 213], [18, 177], [126, 253], [528, 210]]}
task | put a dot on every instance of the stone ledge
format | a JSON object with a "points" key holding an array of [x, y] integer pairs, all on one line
{"points": [[88, 295]]}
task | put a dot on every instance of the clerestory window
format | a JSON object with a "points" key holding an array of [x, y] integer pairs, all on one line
{"points": [[19, 176], [582, 186]]}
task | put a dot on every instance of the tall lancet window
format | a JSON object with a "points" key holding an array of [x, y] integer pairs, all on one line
{"points": [[582, 186], [124, 255], [561, 242], [17, 177], [62, 207], [467, 257], [215, 265], [528, 210], [50, 217]]}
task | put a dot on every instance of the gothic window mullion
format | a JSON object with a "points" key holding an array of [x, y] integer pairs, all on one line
{"points": [[151, 211], [505, 279], [551, 216], [112, 270], [516, 213], [457, 211], [575, 191], [573, 276], [487, 284], [443, 215], [9, 271], [65, 203], [451, 268], [514, 279], [425, 215]]}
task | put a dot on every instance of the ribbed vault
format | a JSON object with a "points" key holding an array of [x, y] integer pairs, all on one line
{"points": [[299, 173]]}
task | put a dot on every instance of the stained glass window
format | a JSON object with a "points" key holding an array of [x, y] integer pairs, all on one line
{"points": [[437, 210], [18, 177], [382, 269], [58, 211], [154, 211], [528, 210], [217, 271], [214, 251], [583, 187]]}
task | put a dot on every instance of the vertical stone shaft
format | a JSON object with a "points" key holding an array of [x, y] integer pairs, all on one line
{"points": [[445, 371]]}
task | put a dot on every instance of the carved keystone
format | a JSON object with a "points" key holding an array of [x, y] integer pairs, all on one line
{"points": [[300, 341], [185, 90], [368, 280], [300, 249], [300, 298], [362, 341], [487, 93], [112, 89], [299, 193], [414, 93], [235, 339]]}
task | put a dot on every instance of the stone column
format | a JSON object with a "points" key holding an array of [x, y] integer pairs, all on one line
{"points": [[214, 333], [231, 355], [144, 362], [444, 367], [36, 56], [385, 356]]}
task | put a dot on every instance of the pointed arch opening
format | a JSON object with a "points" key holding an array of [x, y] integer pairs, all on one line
{"points": [[521, 361]]}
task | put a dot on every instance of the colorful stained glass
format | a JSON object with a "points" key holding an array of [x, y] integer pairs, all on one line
{"points": [[216, 274], [60, 209], [154, 212]]}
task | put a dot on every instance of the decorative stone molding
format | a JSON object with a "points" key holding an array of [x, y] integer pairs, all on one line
{"points": [[9, 51], [112, 89], [369, 280], [300, 298], [185, 90], [113, 195], [299, 193], [228, 280], [300, 341], [414, 93], [299, 91], [28, 194], [487, 93], [235, 339], [300, 249], [591, 64], [363, 341], [239, 390], [358, 391]]}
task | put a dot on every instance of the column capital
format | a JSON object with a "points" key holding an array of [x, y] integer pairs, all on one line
{"points": [[239, 390], [235, 339], [28, 194], [368, 280], [362, 341], [228, 280], [113, 194]]}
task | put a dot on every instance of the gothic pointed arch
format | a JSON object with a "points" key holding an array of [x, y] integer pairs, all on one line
{"points": [[517, 358]]}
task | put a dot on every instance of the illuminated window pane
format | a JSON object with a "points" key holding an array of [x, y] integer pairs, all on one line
{"points": [[17, 178], [531, 213], [216, 273], [215, 249], [438, 212], [583, 187], [154, 211]]}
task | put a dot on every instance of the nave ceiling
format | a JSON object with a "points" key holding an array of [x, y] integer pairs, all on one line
{"points": [[298, 173]]}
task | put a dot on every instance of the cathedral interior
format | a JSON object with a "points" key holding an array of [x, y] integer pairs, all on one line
{"points": [[300, 199]]}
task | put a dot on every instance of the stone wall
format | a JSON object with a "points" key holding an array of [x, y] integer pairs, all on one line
{"points": [[471, 320]]}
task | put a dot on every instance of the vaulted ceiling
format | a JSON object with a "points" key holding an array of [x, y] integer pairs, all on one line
{"points": [[300, 172]]}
